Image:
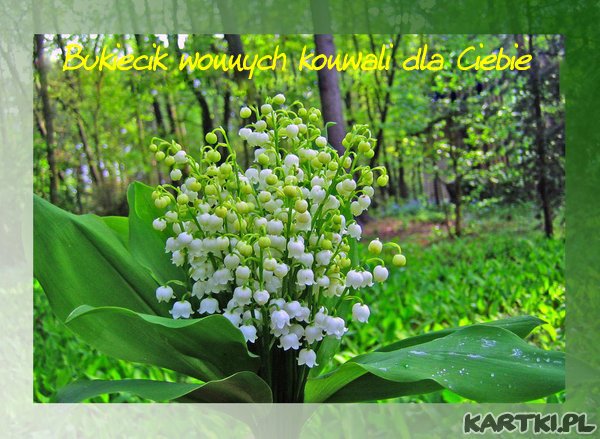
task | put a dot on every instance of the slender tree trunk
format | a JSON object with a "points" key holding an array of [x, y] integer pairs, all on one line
{"points": [[542, 184], [48, 113], [207, 121], [94, 171], [329, 91], [458, 207], [172, 113], [436, 189]]}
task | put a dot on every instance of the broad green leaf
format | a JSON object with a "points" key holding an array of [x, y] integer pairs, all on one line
{"points": [[521, 326], [120, 227], [79, 260], [240, 387], [483, 363], [146, 244], [208, 348]]}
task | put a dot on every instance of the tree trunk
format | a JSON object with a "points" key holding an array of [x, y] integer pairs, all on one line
{"points": [[48, 113], [207, 122], [458, 208], [94, 171], [329, 91], [540, 149]]}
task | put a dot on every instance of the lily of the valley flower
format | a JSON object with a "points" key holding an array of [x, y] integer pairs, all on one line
{"points": [[268, 247]]}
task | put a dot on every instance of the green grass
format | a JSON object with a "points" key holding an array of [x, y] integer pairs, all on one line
{"points": [[504, 267]]}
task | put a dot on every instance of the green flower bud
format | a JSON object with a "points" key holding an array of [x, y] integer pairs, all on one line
{"points": [[315, 163], [290, 191], [302, 112], [345, 262], [244, 249], [321, 142], [375, 247], [337, 219], [264, 196], [221, 211], [246, 189], [266, 109], [399, 260], [213, 156], [332, 166], [245, 112], [382, 180], [211, 138], [264, 242], [242, 207], [301, 206], [195, 186], [279, 99], [364, 147], [291, 180], [324, 157], [160, 156], [153, 147], [326, 244], [271, 179], [211, 190], [370, 154], [263, 159], [225, 169], [183, 199]]}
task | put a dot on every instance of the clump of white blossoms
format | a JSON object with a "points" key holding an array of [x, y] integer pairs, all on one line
{"points": [[268, 246]]}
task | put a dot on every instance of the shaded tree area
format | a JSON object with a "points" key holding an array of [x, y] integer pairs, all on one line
{"points": [[450, 139]]}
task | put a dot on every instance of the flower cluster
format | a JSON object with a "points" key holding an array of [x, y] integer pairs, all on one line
{"points": [[268, 247]]}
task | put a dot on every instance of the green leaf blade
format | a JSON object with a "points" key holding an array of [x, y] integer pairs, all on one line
{"points": [[208, 348], [242, 387], [483, 363]]}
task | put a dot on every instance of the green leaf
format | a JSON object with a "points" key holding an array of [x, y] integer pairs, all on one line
{"points": [[483, 363], [119, 226], [148, 245], [208, 348], [240, 387], [80, 260], [521, 326]]}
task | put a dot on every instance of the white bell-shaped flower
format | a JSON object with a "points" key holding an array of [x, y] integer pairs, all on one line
{"points": [[335, 326], [242, 295], [289, 341], [307, 357], [313, 333], [164, 294], [181, 309], [380, 273], [305, 277], [208, 306], [261, 297], [180, 157], [249, 332], [360, 313], [159, 224], [280, 319]]}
